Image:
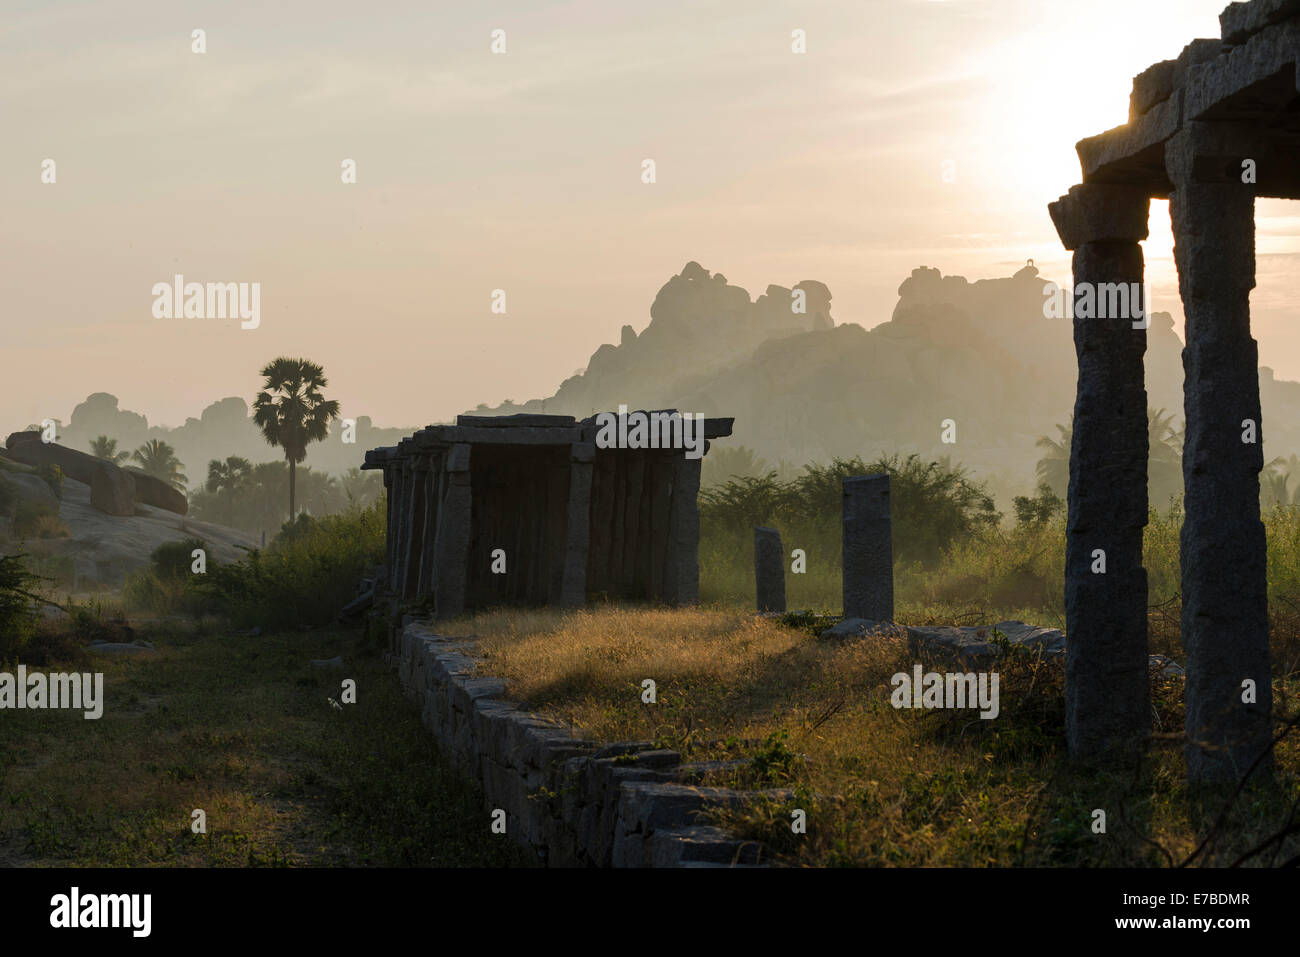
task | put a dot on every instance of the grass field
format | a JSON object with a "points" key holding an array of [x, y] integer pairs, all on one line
{"points": [[242, 728], [880, 786]]}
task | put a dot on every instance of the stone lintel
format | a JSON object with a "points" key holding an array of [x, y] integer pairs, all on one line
{"points": [[1109, 155], [1100, 212], [1240, 21], [521, 420], [1269, 55]]}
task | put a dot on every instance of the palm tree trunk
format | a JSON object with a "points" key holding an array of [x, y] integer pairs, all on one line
{"points": [[292, 476]]}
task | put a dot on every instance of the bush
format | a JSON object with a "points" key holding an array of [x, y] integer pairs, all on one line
{"points": [[173, 560], [17, 607], [307, 574]]}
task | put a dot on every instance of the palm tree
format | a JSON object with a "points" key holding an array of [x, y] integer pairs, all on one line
{"points": [[1053, 469], [232, 474], [158, 459], [291, 411], [102, 447], [1164, 458]]}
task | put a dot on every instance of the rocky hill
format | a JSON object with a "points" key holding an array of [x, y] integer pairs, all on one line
{"points": [[802, 388]]}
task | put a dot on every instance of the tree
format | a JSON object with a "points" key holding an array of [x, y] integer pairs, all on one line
{"points": [[1053, 469], [158, 459], [728, 463], [292, 412], [1164, 458], [102, 447], [233, 474]]}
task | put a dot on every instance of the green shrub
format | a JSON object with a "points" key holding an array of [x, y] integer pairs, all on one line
{"points": [[307, 574], [17, 605], [173, 560], [52, 475]]}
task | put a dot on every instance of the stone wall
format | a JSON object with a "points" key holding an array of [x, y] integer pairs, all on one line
{"points": [[574, 802]]}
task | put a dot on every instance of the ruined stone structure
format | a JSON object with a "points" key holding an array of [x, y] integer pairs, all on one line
{"points": [[868, 548], [769, 570], [1209, 131], [535, 496]]}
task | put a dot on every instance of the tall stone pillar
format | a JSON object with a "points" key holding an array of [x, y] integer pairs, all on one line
{"points": [[769, 569], [401, 529], [390, 524], [419, 476], [1107, 696], [1224, 584], [682, 576], [451, 549], [573, 591], [867, 548]]}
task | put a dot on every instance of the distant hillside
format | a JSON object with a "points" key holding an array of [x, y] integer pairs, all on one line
{"points": [[804, 389], [223, 429]]}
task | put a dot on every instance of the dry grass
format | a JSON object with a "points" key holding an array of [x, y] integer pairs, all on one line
{"points": [[242, 728], [880, 786]]}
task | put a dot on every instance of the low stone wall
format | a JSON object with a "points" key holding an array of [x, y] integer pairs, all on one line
{"points": [[574, 802]]}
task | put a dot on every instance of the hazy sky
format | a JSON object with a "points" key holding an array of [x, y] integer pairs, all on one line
{"points": [[522, 171]]}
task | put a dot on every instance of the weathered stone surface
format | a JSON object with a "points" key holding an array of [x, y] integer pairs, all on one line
{"points": [[1240, 21], [854, 628], [156, 492], [32, 489], [1107, 694], [1153, 85], [1097, 212], [112, 490], [868, 549], [1224, 586], [521, 420], [769, 569], [979, 645], [571, 802]]}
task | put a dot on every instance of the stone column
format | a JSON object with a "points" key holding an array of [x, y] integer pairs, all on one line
{"points": [[416, 524], [1224, 584], [769, 569], [868, 549], [682, 577], [451, 549], [1107, 696], [390, 525], [401, 501], [432, 498], [573, 591]]}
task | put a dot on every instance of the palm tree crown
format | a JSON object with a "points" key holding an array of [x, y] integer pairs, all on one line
{"points": [[102, 447], [158, 459], [292, 412]]}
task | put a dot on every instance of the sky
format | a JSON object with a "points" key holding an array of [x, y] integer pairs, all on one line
{"points": [[522, 171]]}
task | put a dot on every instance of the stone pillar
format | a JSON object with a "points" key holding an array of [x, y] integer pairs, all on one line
{"points": [[401, 529], [390, 524], [1224, 584], [573, 592], [682, 577], [1107, 696], [451, 549], [769, 569], [419, 479], [432, 497], [868, 549]]}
